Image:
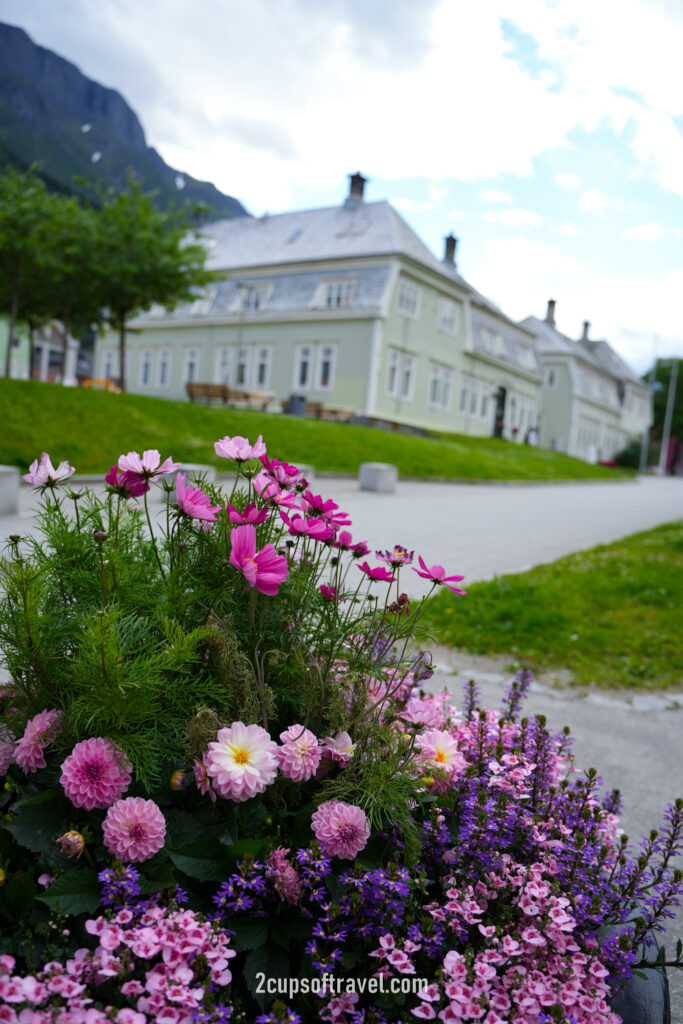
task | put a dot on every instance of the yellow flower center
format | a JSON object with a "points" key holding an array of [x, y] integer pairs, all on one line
{"points": [[440, 757], [241, 757]]}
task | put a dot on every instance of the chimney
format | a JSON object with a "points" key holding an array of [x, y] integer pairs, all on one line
{"points": [[356, 187], [550, 314], [449, 252], [586, 328]]}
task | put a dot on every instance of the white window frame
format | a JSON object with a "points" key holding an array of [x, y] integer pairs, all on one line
{"points": [[223, 364], [474, 397], [439, 386], [409, 299], [254, 297], [337, 294], [164, 362], [304, 353], [320, 362], [191, 357], [484, 404], [464, 400], [406, 377], [391, 382], [146, 364], [242, 366], [263, 356], [448, 316]]}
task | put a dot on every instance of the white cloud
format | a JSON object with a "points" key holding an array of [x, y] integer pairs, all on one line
{"points": [[411, 205], [492, 195], [649, 232], [457, 214], [567, 180], [593, 201], [567, 227], [514, 218]]}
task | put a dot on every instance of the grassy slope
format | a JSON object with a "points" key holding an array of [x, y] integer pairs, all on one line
{"points": [[611, 615], [91, 429]]}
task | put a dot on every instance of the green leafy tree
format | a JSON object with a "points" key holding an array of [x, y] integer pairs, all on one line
{"points": [[24, 203], [663, 378], [142, 256]]}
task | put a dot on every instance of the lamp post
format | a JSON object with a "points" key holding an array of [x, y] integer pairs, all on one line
{"points": [[668, 416]]}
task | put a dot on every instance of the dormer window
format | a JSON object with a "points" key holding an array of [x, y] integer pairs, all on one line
{"points": [[337, 294], [204, 301], [254, 298], [409, 299]]}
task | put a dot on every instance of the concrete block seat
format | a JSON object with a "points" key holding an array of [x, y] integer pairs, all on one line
{"points": [[378, 476]]}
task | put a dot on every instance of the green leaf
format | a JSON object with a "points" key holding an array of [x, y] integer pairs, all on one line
{"points": [[242, 847], [17, 895], [75, 892], [263, 963], [55, 793], [201, 860], [38, 827], [248, 934], [159, 878]]}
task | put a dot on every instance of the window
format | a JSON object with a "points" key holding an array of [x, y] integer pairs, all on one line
{"points": [[262, 367], [302, 366], [550, 377], [408, 299], [191, 366], [513, 411], [253, 298], [474, 396], [337, 294], [407, 376], [204, 301], [392, 373], [164, 368], [325, 368], [242, 371], [110, 365], [439, 391], [222, 368], [448, 316], [463, 395], [484, 404], [145, 368]]}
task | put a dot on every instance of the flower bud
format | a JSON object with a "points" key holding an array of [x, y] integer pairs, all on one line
{"points": [[100, 536], [3, 876], [72, 843], [177, 781]]}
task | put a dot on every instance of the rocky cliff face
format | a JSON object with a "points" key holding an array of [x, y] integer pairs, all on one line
{"points": [[53, 115]]}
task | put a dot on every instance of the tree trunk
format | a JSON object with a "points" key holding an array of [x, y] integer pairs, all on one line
{"points": [[31, 347], [122, 352], [14, 309]]}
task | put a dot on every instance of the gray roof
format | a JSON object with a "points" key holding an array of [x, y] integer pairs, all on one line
{"points": [[598, 354], [609, 360], [352, 230]]}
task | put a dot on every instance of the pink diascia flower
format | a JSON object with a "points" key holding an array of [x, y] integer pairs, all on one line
{"points": [[134, 829], [299, 755], [148, 467], [440, 749], [341, 829], [44, 474], [194, 502], [242, 761], [239, 449], [264, 569], [128, 485], [39, 732], [251, 515], [95, 774], [284, 876], [437, 574]]}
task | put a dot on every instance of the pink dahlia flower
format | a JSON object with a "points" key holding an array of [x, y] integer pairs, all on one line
{"points": [[95, 774], [284, 876], [147, 467], [44, 474], [341, 829], [299, 755], [134, 829], [194, 502], [39, 732], [128, 485], [437, 574], [264, 569], [239, 449], [7, 745], [242, 761]]}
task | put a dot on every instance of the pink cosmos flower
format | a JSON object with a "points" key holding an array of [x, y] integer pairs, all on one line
{"points": [[272, 492], [148, 467], [193, 502], [95, 774], [264, 569], [251, 515], [437, 574], [128, 485], [39, 732], [43, 473], [239, 449], [440, 749], [299, 755], [397, 557], [383, 575], [201, 777], [7, 745], [339, 748], [134, 829], [284, 876], [282, 473], [326, 510], [307, 526], [242, 762], [329, 593], [341, 829]]}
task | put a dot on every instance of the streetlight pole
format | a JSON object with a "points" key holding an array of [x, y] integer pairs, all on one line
{"points": [[668, 416], [645, 443]]}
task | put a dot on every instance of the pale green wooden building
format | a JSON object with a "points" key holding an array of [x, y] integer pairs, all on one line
{"points": [[343, 306]]}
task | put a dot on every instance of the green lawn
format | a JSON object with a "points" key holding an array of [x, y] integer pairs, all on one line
{"points": [[91, 429], [611, 615]]}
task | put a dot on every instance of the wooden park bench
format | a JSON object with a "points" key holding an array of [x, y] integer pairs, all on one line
{"points": [[207, 392], [340, 413], [252, 399]]}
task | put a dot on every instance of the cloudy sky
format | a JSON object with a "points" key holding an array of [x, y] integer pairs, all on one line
{"points": [[546, 134]]}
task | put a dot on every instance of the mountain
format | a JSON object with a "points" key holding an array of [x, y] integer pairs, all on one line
{"points": [[71, 126]]}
